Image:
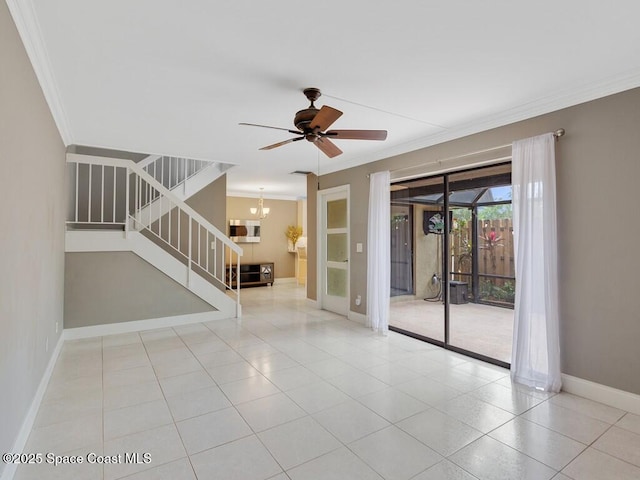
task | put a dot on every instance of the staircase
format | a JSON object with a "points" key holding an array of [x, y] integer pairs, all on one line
{"points": [[183, 177], [120, 205]]}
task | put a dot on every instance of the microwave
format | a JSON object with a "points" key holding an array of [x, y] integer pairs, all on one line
{"points": [[244, 231]]}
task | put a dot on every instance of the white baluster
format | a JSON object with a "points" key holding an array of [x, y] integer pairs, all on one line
{"points": [[102, 197], [113, 216], [77, 198], [90, 182], [189, 269], [126, 204]]}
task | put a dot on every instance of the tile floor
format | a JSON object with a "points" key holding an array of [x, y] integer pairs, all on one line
{"points": [[293, 393]]}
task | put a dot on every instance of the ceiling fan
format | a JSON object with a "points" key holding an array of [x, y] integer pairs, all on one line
{"points": [[312, 124]]}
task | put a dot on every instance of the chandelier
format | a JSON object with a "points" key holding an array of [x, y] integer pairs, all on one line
{"points": [[261, 211]]}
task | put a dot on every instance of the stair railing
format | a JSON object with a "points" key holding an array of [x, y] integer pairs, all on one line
{"points": [[173, 172], [111, 193]]}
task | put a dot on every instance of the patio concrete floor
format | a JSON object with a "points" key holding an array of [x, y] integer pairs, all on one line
{"points": [[483, 329]]}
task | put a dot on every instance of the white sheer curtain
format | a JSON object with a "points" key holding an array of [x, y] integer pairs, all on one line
{"points": [[536, 344], [379, 252]]}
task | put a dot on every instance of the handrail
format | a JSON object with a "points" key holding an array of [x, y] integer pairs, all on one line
{"points": [[142, 203], [118, 162], [147, 160]]}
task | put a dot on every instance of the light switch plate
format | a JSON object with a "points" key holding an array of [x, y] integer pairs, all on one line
{"points": [[359, 247]]}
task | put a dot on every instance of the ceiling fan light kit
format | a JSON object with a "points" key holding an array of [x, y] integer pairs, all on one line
{"points": [[312, 124]]}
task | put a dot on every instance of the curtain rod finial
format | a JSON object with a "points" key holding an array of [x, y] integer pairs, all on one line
{"points": [[559, 133]]}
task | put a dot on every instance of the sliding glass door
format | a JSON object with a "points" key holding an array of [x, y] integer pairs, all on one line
{"points": [[482, 285], [462, 262], [419, 311]]}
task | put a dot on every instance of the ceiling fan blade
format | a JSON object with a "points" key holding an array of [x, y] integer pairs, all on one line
{"points": [[268, 126], [357, 134], [325, 118], [279, 144], [328, 147]]}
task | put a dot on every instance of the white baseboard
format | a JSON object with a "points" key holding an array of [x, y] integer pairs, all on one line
{"points": [[139, 325], [284, 280], [27, 423], [357, 317], [597, 392]]}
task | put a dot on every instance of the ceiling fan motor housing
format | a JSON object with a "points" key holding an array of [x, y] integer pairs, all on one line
{"points": [[304, 117]]}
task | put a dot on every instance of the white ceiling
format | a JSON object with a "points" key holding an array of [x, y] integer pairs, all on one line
{"points": [[176, 77]]}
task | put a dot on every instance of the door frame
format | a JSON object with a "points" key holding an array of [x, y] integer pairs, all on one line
{"points": [[322, 246]]}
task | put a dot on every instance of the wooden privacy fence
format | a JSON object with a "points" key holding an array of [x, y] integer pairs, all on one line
{"points": [[495, 255]]}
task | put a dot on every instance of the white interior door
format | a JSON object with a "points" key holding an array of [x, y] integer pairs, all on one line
{"points": [[334, 249]]}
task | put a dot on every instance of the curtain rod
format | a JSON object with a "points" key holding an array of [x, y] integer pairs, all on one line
{"points": [[557, 134]]}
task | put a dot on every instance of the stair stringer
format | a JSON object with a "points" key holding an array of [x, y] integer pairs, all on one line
{"points": [[109, 241]]}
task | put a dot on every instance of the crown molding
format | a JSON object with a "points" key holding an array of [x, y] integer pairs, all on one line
{"points": [[551, 103], [26, 21]]}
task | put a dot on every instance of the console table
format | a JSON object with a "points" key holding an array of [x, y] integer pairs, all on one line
{"points": [[252, 274]]}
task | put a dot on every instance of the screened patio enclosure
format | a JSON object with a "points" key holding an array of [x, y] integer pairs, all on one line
{"points": [[455, 288]]}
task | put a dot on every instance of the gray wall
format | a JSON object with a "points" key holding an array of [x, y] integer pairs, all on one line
{"points": [[211, 203], [32, 158], [598, 170], [114, 287]]}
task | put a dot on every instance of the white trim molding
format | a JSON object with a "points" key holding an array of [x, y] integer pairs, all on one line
{"points": [[140, 325], [553, 102], [597, 392], [27, 424], [357, 317], [26, 20]]}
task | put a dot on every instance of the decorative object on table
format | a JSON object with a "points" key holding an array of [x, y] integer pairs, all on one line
{"points": [[293, 233]]}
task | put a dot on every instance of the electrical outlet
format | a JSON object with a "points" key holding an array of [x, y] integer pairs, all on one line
{"points": [[213, 245], [358, 300]]}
